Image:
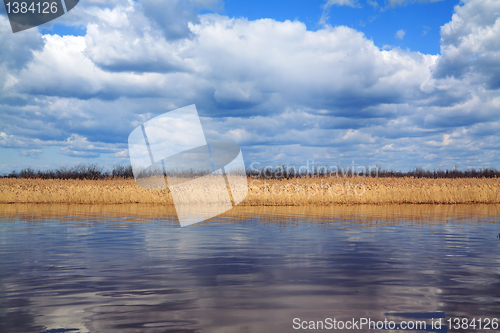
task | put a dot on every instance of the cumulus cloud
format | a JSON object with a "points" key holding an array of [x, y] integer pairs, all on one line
{"points": [[470, 46], [274, 87], [400, 34], [232, 64]]}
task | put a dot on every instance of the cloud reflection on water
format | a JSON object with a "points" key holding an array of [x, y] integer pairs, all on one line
{"points": [[118, 269]]}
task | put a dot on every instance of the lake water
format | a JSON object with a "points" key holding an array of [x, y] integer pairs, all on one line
{"points": [[133, 269]]}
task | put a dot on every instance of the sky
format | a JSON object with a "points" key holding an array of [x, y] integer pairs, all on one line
{"points": [[397, 84]]}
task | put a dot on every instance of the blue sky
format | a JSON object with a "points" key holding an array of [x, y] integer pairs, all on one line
{"points": [[395, 83], [378, 20]]}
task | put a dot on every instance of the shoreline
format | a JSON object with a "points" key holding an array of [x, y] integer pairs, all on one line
{"points": [[264, 192]]}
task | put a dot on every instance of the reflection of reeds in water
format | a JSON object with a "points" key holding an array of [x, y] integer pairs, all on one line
{"points": [[85, 213], [367, 214], [404, 213], [293, 192]]}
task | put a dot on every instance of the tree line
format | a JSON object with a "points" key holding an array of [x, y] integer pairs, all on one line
{"points": [[94, 172]]}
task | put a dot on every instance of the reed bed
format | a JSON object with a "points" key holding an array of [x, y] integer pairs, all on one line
{"points": [[360, 190], [264, 192]]}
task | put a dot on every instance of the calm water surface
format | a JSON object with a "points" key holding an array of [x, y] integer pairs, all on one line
{"points": [[250, 273]]}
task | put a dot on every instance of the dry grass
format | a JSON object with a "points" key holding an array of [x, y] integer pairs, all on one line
{"points": [[296, 192], [359, 190], [73, 191]]}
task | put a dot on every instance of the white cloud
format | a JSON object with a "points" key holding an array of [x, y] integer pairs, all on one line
{"points": [[79, 146], [469, 44], [351, 3], [329, 3], [220, 66], [34, 153], [400, 34], [396, 3]]}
